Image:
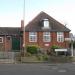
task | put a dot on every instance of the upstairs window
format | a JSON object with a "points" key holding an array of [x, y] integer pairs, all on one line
{"points": [[46, 37], [46, 23], [32, 36], [60, 37]]}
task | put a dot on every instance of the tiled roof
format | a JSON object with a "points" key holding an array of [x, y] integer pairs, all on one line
{"points": [[35, 24], [9, 30]]}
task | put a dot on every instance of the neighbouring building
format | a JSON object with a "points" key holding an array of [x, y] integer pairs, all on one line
{"points": [[43, 31], [10, 38]]}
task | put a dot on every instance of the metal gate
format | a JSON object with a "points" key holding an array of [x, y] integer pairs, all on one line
{"points": [[9, 57]]}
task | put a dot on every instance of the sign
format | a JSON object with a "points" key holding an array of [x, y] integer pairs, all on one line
{"points": [[60, 50], [46, 44], [68, 39]]}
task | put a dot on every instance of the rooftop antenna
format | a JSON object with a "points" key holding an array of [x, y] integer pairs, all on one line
{"points": [[65, 23]]}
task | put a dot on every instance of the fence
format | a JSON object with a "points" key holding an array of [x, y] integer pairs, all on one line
{"points": [[9, 57]]}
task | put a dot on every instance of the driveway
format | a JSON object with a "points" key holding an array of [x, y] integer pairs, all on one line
{"points": [[37, 69]]}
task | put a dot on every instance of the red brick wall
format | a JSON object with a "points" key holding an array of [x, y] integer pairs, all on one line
{"points": [[53, 40], [6, 45]]}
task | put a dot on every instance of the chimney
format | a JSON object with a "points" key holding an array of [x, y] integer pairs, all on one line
{"points": [[22, 25]]}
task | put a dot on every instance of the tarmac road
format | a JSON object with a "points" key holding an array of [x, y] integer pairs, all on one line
{"points": [[37, 69]]}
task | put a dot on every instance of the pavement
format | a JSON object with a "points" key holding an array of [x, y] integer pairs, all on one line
{"points": [[37, 69]]}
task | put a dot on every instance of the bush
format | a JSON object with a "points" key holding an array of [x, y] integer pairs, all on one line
{"points": [[28, 54], [32, 49], [53, 49], [45, 57], [39, 57]]}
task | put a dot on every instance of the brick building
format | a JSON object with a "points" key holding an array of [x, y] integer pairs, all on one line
{"points": [[10, 38], [43, 31]]}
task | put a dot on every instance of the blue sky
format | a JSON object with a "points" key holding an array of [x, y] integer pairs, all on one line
{"points": [[11, 11]]}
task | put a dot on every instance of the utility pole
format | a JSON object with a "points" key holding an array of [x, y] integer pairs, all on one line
{"points": [[72, 40], [72, 47], [24, 28]]}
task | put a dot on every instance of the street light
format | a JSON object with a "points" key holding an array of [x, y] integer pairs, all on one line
{"points": [[24, 27], [72, 47], [71, 39]]}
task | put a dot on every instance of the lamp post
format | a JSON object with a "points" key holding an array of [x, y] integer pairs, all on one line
{"points": [[71, 39], [24, 28], [72, 46]]}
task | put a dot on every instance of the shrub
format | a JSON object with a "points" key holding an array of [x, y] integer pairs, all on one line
{"points": [[28, 54], [32, 49], [53, 49], [39, 57], [45, 57]]}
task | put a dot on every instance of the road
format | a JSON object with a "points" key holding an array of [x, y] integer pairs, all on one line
{"points": [[37, 69]]}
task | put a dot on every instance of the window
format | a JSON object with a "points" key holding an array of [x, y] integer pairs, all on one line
{"points": [[46, 23], [1, 39], [46, 37], [60, 37], [32, 36]]}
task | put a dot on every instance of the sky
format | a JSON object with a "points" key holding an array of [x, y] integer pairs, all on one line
{"points": [[11, 11]]}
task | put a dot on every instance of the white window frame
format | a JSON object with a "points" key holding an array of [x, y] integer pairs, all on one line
{"points": [[46, 23], [45, 36], [32, 35], [2, 39], [60, 37]]}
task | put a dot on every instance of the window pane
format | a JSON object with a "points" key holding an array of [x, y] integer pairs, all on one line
{"points": [[46, 33], [60, 36], [46, 23], [32, 37], [46, 37]]}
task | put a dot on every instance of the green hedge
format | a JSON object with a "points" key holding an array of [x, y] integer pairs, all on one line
{"points": [[53, 49], [32, 49]]}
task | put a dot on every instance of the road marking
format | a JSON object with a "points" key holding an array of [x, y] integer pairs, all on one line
{"points": [[54, 68], [62, 70]]}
